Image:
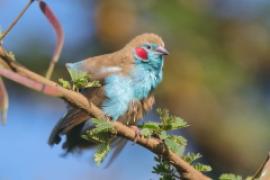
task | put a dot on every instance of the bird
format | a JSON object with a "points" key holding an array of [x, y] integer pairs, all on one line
{"points": [[128, 78]]}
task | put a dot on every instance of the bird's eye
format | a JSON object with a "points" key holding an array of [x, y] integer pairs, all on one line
{"points": [[148, 46]]}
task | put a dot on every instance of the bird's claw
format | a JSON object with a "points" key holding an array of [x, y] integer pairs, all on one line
{"points": [[137, 132], [108, 118]]}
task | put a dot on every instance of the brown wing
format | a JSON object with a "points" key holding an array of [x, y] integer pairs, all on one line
{"points": [[73, 123], [75, 116], [100, 67]]}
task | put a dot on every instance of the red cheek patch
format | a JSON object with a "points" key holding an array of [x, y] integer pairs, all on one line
{"points": [[141, 52]]}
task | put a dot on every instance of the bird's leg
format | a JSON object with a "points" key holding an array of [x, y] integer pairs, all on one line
{"points": [[134, 111], [108, 118]]}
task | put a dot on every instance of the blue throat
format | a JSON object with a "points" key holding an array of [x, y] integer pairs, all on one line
{"points": [[121, 90]]}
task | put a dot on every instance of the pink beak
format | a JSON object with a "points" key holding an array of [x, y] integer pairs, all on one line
{"points": [[162, 50]]}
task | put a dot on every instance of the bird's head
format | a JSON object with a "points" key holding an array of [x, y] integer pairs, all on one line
{"points": [[148, 49]]}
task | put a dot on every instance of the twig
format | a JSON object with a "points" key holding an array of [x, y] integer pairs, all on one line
{"points": [[152, 144], [16, 20], [4, 102], [264, 171]]}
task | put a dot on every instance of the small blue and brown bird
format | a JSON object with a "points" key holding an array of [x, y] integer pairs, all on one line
{"points": [[128, 78]]}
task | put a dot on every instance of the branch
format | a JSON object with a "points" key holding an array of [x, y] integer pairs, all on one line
{"points": [[263, 173], [12, 70]]}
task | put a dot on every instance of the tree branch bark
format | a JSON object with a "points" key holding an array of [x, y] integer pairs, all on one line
{"points": [[10, 69]]}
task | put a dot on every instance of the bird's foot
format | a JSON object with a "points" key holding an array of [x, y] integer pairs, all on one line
{"points": [[108, 118], [137, 132]]}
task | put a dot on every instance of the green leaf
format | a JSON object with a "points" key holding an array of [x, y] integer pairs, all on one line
{"points": [[101, 133], [102, 126], [163, 114], [150, 128], [178, 139], [96, 137], [174, 147], [165, 169], [230, 176], [81, 79], [146, 132], [176, 144], [170, 122], [76, 75], [92, 84], [202, 167], [64, 83], [102, 151], [163, 135], [151, 125], [191, 157], [178, 123]]}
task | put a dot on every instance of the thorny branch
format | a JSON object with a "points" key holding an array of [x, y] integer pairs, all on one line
{"points": [[10, 69]]}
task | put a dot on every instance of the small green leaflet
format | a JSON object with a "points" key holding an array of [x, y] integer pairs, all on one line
{"points": [[76, 75], [170, 122], [176, 144], [102, 126], [101, 132], [150, 128], [100, 135], [165, 169], [191, 157], [102, 151], [64, 83], [202, 167], [81, 80], [146, 132], [163, 135], [230, 177]]}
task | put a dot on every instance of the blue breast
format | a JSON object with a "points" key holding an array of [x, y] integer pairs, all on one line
{"points": [[121, 90], [144, 81], [119, 93]]}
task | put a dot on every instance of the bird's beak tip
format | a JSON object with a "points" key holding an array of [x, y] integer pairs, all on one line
{"points": [[162, 50]]}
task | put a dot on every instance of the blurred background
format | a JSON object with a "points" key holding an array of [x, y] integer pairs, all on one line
{"points": [[216, 78]]}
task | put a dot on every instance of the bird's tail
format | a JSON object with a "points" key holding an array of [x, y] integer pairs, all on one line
{"points": [[71, 123]]}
